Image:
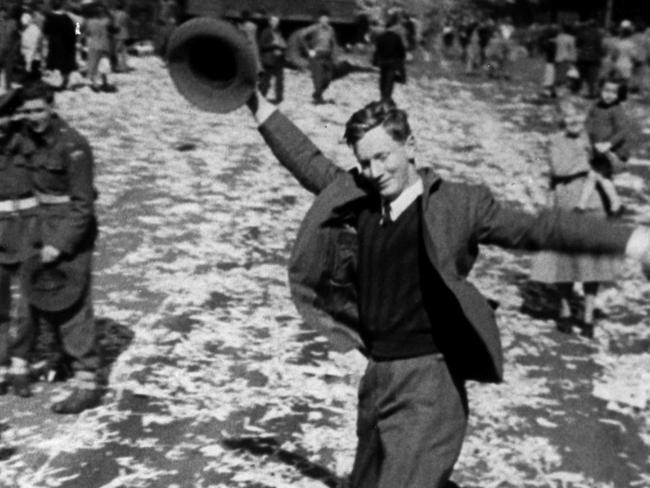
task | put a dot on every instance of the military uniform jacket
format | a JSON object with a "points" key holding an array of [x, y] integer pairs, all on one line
{"points": [[18, 229], [62, 166], [456, 218]]}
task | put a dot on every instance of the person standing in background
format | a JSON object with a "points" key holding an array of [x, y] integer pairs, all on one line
{"points": [[589, 44], [9, 42], [319, 41], [390, 56], [97, 32], [121, 36], [249, 29], [62, 167], [60, 32], [569, 163], [565, 55], [31, 46], [272, 48]]}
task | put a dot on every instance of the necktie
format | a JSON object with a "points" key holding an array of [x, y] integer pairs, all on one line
{"points": [[385, 214]]}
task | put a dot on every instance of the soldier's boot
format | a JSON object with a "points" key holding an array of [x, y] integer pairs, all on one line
{"points": [[85, 394], [19, 377]]}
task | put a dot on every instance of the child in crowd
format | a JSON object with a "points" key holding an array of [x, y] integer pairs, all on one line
{"points": [[569, 155], [610, 133]]}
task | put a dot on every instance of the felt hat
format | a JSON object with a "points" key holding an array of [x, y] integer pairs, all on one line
{"points": [[56, 286]]}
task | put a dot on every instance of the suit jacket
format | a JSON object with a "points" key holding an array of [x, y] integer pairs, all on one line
{"points": [[457, 218]]}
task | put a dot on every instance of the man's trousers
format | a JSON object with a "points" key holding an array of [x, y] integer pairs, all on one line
{"points": [[10, 328], [74, 328], [387, 76], [412, 417], [273, 71], [322, 71]]}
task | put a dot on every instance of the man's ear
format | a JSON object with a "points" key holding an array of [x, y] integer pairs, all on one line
{"points": [[409, 145]]}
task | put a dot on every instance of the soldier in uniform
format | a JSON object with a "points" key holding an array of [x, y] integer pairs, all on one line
{"points": [[18, 240], [62, 175]]}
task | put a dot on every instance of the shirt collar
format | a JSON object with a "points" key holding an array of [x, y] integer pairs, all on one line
{"points": [[405, 199]]}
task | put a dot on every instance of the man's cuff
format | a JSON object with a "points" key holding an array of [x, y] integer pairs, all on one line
{"points": [[638, 244], [264, 112]]}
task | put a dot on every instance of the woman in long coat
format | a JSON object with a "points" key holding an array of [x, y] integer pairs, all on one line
{"points": [[60, 31]]}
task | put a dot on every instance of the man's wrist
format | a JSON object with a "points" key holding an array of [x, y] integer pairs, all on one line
{"points": [[264, 110], [638, 245]]}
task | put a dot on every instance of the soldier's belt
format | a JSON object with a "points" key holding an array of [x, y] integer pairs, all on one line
{"points": [[52, 199], [17, 205]]}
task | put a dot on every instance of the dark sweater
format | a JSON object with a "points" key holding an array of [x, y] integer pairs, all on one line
{"points": [[396, 285]]}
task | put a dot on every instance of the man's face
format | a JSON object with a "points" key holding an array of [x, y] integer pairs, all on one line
{"points": [[609, 92], [324, 19], [274, 21], [385, 162], [37, 113]]}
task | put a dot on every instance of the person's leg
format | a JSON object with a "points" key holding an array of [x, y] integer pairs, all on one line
{"points": [[264, 80], [422, 417], [65, 80], [78, 333], [588, 190], [279, 81], [593, 70], [591, 290], [5, 315], [564, 324], [368, 457], [609, 189], [317, 75], [92, 65], [10, 64], [390, 82], [328, 72], [122, 56], [22, 345]]}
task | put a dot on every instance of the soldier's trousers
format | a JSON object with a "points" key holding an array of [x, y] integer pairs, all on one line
{"points": [[74, 329], [10, 328]]}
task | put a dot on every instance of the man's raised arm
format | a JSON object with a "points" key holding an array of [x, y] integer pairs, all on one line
{"points": [[292, 147]]}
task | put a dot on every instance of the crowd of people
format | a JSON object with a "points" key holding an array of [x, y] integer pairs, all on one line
{"points": [[35, 42]]}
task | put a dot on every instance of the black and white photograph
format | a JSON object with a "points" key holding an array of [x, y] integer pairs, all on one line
{"points": [[324, 243]]}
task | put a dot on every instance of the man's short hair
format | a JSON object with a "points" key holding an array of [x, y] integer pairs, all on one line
{"points": [[56, 4], [37, 90], [323, 12], [383, 113]]}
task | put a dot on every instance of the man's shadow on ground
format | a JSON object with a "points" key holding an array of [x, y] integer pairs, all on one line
{"points": [[268, 446]]}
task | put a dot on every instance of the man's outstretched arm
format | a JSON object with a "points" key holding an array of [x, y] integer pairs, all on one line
{"points": [[555, 230], [292, 147]]}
